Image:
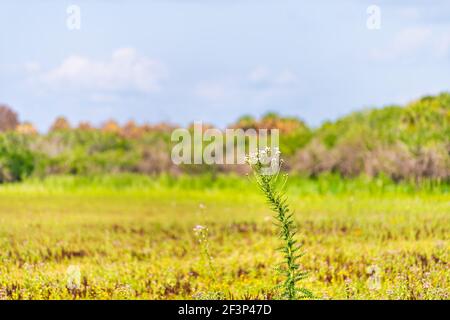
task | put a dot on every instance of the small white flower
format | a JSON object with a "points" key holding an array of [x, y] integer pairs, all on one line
{"points": [[201, 232], [374, 283], [263, 156], [374, 280], [199, 228], [373, 270], [73, 275], [252, 158], [277, 151]]}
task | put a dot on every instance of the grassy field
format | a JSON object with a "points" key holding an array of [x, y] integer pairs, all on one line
{"points": [[132, 237]]}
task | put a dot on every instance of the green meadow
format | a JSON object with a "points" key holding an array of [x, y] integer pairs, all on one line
{"points": [[131, 237]]}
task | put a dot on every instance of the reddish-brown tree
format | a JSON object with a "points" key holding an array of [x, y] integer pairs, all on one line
{"points": [[8, 119], [60, 124]]}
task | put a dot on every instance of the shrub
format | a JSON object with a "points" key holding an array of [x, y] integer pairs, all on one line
{"points": [[16, 159]]}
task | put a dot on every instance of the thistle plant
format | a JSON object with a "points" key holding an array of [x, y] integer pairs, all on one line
{"points": [[265, 165]]}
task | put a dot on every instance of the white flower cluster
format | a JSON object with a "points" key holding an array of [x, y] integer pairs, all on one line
{"points": [[201, 233], [266, 161], [264, 156], [198, 228]]}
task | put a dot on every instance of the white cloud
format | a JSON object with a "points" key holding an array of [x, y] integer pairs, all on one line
{"points": [[416, 42], [32, 67], [405, 43], [126, 70], [258, 86]]}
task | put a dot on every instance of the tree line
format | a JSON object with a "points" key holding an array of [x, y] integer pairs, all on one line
{"points": [[409, 142]]}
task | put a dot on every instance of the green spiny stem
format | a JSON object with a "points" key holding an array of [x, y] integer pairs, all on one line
{"points": [[285, 222]]}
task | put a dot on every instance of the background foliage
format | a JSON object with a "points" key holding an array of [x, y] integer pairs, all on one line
{"points": [[402, 143]]}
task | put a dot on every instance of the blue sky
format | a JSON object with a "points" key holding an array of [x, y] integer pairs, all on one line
{"points": [[186, 60]]}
